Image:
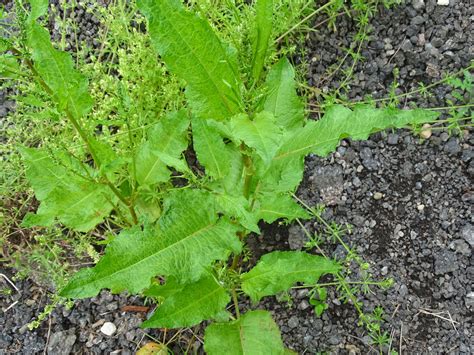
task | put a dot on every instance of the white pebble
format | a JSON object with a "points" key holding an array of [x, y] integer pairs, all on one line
{"points": [[443, 2], [378, 196], [420, 208], [108, 329], [426, 131]]}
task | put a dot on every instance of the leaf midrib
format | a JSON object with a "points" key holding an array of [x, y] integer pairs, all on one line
{"points": [[201, 230], [193, 54]]}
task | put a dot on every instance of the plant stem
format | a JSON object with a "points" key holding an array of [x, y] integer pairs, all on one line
{"points": [[236, 303], [319, 9], [82, 134], [337, 283]]}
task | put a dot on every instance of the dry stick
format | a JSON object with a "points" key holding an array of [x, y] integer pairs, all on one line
{"points": [[438, 315], [83, 135], [10, 282], [47, 337], [401, 339]]}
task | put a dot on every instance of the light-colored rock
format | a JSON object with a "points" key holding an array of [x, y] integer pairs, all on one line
{"points": [[108, 329], [418, 4], [426, 131], [378, 196], [467, 232], [443, 2], [470, 299]]}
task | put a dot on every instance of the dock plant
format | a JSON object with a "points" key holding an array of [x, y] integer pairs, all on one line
{"points": [[184, 222]]}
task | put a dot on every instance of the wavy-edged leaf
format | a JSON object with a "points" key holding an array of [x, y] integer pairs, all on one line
{"points": [[261, 133], [261, 35], [166, 141], [282, 99], [186, 305], [192, 51], [321, 137], [211, 151], [255, 333], [69, 87], [279, 270], [281, 176], [279, 206], [38, 9], [75, 201], [238, 207], [190, 236], [9, 66]]}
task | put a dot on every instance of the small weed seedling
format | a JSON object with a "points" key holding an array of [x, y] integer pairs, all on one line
{"points": [[184, 225]]}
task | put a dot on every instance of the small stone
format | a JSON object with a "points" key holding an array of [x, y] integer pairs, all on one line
{"points": [[467, 232], [470, 299], [30, 302], [452, 146], [437, 42], [443, 2], [461, 247], [378, 196], [356, 182], [329, 180], [432, 70], [445, 262], [296, 238], [406, 46], [417, 20], [426, 131], [420, 207], [61, 342], [392, 139], [302, 293], [293, 322], [108, 329], [403, 290], [418, 4], [384, 270], [468, 197], [304, 305]]}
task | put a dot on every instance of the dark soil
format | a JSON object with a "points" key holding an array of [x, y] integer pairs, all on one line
{"points": [[420, 232]]}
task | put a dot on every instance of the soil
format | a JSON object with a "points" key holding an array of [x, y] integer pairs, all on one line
{"points": [[409, 202]]}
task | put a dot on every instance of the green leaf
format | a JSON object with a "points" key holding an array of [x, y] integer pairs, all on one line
{"points": [[322, 137], [275, 206], [75, 201], [261, 35], [239, 208], [166, 141], [279, 270], [9, 67], [38, 9], [192, 51], [282, 99], [186, 305], [211, 150], [69, 87], [190, 236], [255, 333], [282, 176], [261, 133]]}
